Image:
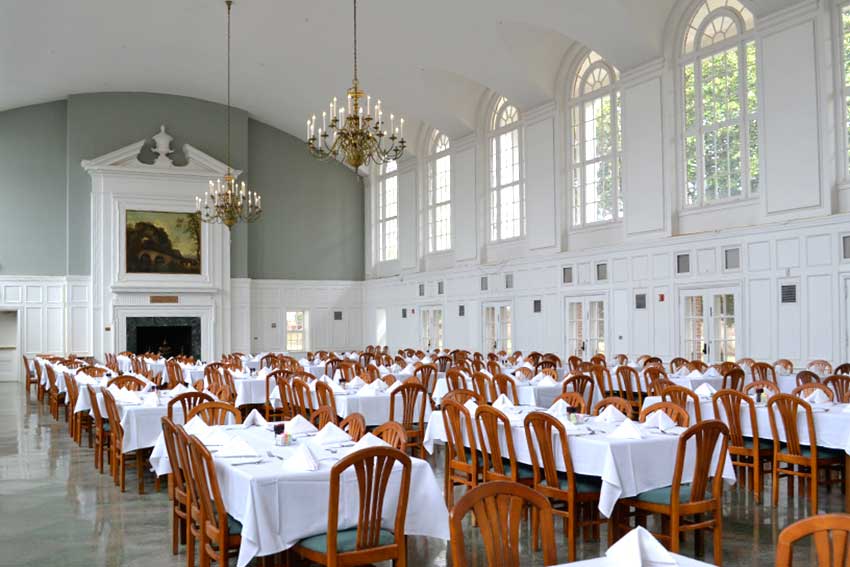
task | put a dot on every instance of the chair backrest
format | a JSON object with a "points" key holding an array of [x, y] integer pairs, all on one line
{"points": [[673, 411], [843, 369], [574, 400], [355, 425], [628, 384], [187, 401], [348, 370], [392, 433], [302, 397], [322, 416], [93, 371], [763, 371], [697, 365], [545, 363], [731, 401], [761, 384], [806, 389], [788, 406], [483, 386], [458, 425], [462, 396], [677, 363], [582, 384], [499, 509], [785, 364], [821, 367], [127, 382], [427, 374], [114, 418], [652, 373], [807, 377], [73, 391], [455, 380], [494, 429], [176, 455], [623, 405], [412, 396], [174, 373], [325, 396], [680, 396], [840, 384], [287, 397], [443, 363], [745, 362], [204, 485], [373, 469], [95, 407], [574, 362], [602, 376], [215, 413], [711, 437], [541, 432], [506, 385], [652, 360], [831, 534], [733, 379]]}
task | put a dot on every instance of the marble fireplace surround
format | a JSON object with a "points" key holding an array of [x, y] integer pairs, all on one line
{"points": [[194, 323]]}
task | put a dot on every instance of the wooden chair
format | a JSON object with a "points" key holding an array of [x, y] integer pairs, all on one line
{"points": [[220, 534], [506, 385], [30, 378], [215, 413], [119, 458], [745, 362], [747, 453], [820, 367], [806, 389], [102, 434], [498, 508], [652, 360], [302, 398], [830, 535], [673, 411], [843, 369], [603, 379], [77, 421], [733, 379], [800, 461], [179, 482], [655, 387], [840, 384], [463, 396], [494, 429], [354, 425], [785, 364], [761, 384], [653, 373], [57, 398], [697, 365], [628, 386], [412, 398], [483, 386], [461, 466], [288, 406], [677, 363], [573, 362], [763, 371], [680, 396], [271, 412], [187, 401], [322, 416], [392, 433], [574, 400], [572, 496], [427, 374], [325, 397], [543, 364], [807, 377], [695, 506], [581, 384], [131, 383], [455, 380], [623, 405], [368, 542]]}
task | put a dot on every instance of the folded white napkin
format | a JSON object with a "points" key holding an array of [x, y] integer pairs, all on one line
{"points": [[611, 415], [330, 433], [695, 374], [682, 372], [301, 460], [395, 368], [254, 419], [180, 389], [197, 426], [547, 381], [502, 402], [626, 430], [817, 397], [368, 441], [337, 375], [846, 408], [558, 409], [298, 425], [639, 549], [236, 447], [304, 362], [408, 369], [471, 406], [383, 370], [337, 388], [357, 382], [659, 420], [369, 389], [128, 397], [711, 373], [150, 401], [395, 386], [427, 360], [537, 378], [705, 390]]}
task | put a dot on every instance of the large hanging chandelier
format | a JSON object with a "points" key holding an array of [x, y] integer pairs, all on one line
{"points": [[227, 201], [358, 132]]}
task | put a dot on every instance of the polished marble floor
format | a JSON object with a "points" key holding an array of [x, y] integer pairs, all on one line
{"points": [[55, 509]]}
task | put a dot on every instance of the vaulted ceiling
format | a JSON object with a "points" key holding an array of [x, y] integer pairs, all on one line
{"points": [[429, 60]]}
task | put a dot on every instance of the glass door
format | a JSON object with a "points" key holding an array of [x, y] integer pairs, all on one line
{"points": [[432, 327], [585, 326], [498, 327], [709, 325]]}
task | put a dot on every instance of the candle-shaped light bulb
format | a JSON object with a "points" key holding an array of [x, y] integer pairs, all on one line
{"points": [[324, 126], [368, 104], [308, 129], [392, 122], [401, 130]]}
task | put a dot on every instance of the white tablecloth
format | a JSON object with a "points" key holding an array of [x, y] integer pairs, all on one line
{"points": [[142, 424], [681, 561], [539, 396], [627, 467]]}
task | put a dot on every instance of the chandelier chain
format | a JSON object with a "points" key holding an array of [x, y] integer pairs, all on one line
{"points": [[355, 42], [227, 116]]}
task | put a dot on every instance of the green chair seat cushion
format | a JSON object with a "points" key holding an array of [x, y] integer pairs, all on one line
{"points": [[585, 484], [763, 443], [346, 540], [662, 495], [234, 526], [823, 452], [525, 472]]}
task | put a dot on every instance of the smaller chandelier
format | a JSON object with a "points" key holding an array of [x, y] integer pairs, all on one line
{"points": [[228, 202], [359, 133]]}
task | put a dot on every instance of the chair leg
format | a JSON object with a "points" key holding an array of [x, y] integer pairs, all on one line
{"points": [[674, 533], [718, 537], [140, 471], [775, 485], [813, 488], [175, 528], [571, 535], [758, 479]]}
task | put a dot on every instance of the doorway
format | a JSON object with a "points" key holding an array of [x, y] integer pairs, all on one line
{"points": [[586, 318], [498, 327], [9, 350], [709, 325], [431, 327]]}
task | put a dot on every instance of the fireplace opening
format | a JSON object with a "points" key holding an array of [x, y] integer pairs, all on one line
{"points": [[167, 341]]}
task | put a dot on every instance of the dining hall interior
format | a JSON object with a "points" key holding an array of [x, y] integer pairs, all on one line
{"points": [[480, 283]]}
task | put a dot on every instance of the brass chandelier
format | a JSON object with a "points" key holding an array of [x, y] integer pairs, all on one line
{"points": [[359, 133], [228, 202]]}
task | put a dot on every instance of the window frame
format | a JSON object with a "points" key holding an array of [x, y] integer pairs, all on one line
{"points": [[382, 220], [695, 57], [577, 120], [494, 208], [303, 332], [843, 87], [436, 154]]}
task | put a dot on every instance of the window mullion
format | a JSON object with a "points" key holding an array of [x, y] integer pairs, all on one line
{"points": [[699, 123]]}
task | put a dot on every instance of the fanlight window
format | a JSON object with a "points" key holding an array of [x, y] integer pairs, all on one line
{"points": [[439, 195], [507, 198], [596, 143], [720, 103]]}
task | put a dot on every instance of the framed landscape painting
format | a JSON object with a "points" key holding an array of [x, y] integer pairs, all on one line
{"points": [[160, 242]]}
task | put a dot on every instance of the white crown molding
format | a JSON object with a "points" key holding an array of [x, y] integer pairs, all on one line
{"points": [[780, 19], [541, 112], [636, 75]]}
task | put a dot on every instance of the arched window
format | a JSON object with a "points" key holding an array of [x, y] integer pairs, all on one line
{"points": [[439, 197], [596, 142], [507, 199], [720, 104], [387, 213]]}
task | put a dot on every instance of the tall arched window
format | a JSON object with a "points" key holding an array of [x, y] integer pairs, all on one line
{"points": [[439, 197], [507, 200], [596, 142], [845, 79], [387, 213], [720, 104]]}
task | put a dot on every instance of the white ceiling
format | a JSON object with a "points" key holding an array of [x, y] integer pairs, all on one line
{"points": [[430, 60]]}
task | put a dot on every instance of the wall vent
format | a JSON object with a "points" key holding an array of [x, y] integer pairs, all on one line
{"points": [[422, 290], [788, 293], [640, 301], [509, 281], [732, 259], [567, 275], [538, 305], [845, 243], [441, 288], [337, 315], [683, 263], [485, 283], [461, 310], [404, 312], [602, 272]]}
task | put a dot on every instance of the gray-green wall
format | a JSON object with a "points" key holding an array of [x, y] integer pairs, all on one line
{"points": [[47, 223], [32, 186], [313, 212]]}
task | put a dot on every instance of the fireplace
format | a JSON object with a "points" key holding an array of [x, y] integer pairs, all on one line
{"points": [[169, 336]]}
